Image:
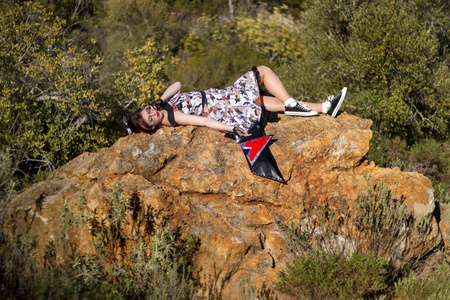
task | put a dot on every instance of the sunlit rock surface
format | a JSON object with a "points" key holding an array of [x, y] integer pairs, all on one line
{"points": [[198, 180]]}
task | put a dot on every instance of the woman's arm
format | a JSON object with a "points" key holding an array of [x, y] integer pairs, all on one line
{"points": [[172, 90], [186, 119]]}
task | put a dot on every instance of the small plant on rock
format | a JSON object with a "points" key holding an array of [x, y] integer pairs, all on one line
{"points": [[321, 275], [346, 250], [154, 264]]}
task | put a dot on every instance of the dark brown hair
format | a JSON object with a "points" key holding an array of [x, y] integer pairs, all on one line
{"points": [[136, 124]]}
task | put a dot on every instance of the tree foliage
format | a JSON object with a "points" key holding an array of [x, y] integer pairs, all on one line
{"points": [[205, 65], [56, 98], [393, 54], [222, 8], [273, 34], [50, 105], [72, 11], [231, 47], [128, 24], [145, 77]]}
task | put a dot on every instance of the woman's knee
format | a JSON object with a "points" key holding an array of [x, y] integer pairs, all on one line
{"points": [[263, 70]]}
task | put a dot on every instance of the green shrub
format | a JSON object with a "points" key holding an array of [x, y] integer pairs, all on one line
{"points": [[121, 25], [375, 224], [441, 192], [17, 262], [8, 183], [387, 152], [231, 47], [428, 157], [145, 77], [392, 54], [431, 158], [380, 221], [433, 284], [321, 275], [247, 290], [273, 34], [349, 250], [50, 99], [155, 265], [228, 63]]}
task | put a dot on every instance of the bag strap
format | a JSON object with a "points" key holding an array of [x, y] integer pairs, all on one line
{"points": [[203, 101], [169, 110], [170, 116]]}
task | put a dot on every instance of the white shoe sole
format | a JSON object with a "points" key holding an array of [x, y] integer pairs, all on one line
{"points": [[301, 114], [336, 109]]}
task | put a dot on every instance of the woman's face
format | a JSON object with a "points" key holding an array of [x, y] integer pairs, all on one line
{"points": [[151, 116]]}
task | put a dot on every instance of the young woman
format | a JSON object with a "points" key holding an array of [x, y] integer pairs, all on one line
{"points": [[232, 109]]}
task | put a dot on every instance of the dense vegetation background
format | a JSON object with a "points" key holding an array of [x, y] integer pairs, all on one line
{"points": [[70, 69]]}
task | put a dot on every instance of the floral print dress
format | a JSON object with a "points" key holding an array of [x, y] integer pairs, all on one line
{"points": [[239, 104]]}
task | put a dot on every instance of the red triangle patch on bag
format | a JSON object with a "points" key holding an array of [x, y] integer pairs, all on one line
{"points": [[255, 147]]}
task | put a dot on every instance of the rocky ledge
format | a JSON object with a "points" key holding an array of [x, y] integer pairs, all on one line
{"points": [[197, 180]]}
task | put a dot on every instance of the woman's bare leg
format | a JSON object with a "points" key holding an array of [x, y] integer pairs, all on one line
{"points": [[275, 105], [273, 83]]}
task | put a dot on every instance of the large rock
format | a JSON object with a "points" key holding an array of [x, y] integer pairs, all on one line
{"points": [[198, 180]]}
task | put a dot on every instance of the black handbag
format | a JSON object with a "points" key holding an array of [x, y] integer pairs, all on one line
{"points": [[258, 155]]}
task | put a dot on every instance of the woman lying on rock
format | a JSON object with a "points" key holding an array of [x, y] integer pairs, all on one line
{"points": [[232, 109]]}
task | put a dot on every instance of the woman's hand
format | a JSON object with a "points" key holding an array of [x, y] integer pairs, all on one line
{"points": [[158, 104], [240, 132]]}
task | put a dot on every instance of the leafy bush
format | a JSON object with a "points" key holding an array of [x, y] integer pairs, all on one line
{"points": [[393, 55], [226, 63], [128, 24], [428, 157], [16, 263], [230, 48], [247, 290], [335, 242], [321, 275], [374, 224], [273, 34], [240, 43], [432, 284], [50, 105], [442, 192], [145, 77], [8, 184]]}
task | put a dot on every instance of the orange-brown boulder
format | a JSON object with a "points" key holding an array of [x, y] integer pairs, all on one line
{"points": [[198, 180]]}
